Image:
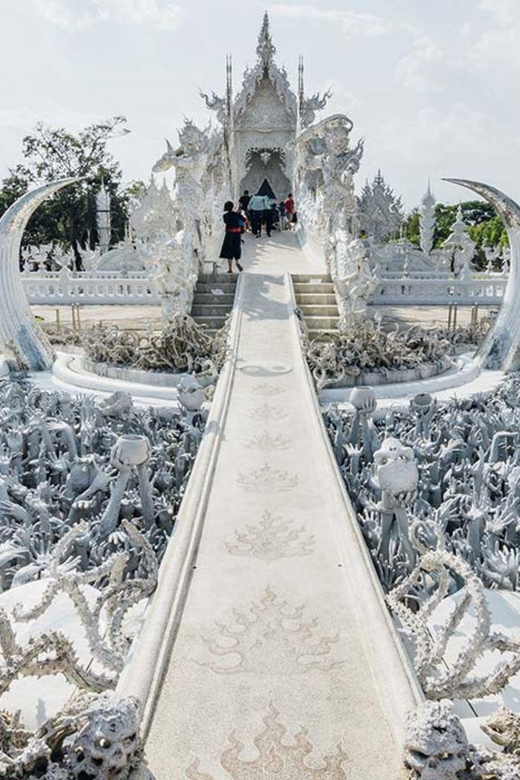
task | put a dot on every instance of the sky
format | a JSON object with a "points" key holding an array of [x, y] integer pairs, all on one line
{"points": [[431, 85]]}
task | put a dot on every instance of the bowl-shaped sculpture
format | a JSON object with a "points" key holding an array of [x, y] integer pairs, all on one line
{"points": [[130, 450], [363, 399]]}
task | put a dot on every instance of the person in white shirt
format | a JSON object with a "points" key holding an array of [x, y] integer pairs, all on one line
{"points": [[260, 209]]}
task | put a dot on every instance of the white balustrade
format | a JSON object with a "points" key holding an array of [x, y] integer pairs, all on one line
{"points": [[49, 287], [54, 288], [402, 291]]}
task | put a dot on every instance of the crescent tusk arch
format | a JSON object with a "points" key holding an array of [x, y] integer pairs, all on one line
{"points": [[501, 348], [19, 331]]}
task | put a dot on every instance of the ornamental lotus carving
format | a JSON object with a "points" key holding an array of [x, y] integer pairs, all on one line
{"points": [[270, 635], [279, 756], [267, 478], [272, 538]]}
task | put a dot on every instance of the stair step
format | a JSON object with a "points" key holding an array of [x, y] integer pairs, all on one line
{"points": [[307, 287], [322, 323], [227, 288], [314, 334], [306, 278], [319, 299], [319, 310], [212, 323], [203, 299], [209, 310]]}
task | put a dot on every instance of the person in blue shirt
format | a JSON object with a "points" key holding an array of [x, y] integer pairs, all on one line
{"points": [[260, 209]]}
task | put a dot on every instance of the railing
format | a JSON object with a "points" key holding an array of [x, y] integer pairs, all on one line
{"points": [[487, 290], [52, 288], [105, 288]]}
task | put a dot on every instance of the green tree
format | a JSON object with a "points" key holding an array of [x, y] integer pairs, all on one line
{"points": [[485, 227], [412, 228], [69, 218]]}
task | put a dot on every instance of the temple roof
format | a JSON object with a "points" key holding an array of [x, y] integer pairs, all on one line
{"points": [[265, 66]]}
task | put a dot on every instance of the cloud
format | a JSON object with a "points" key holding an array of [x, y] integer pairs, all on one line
{"points": [[504, 11], [60, 13], [498, 43], [438, 133], [351, 22], [162, 15], [410, 70], [77, 15]]}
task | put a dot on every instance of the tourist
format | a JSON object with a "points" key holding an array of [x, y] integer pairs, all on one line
{"points": [[275, 216], [244, 201], [290, 211], [281, 209], [260, 209], [232, 246]]}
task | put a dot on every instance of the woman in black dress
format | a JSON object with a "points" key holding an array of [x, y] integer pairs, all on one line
{"points": [[232, 246]]}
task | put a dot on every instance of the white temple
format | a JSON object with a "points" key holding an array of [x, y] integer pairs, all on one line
{"points": [[261, 123]]}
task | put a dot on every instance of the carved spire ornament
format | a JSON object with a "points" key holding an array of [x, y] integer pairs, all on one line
{"points": [[265, 47]]}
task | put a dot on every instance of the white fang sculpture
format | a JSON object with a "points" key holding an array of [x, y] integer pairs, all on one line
{"points": [[18, 329]]}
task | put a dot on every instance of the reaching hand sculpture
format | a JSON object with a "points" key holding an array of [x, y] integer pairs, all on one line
{"points": [[59, 457], [469, 480], [396, 476]]}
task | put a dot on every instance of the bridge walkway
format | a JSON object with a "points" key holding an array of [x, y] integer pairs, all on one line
{"points": [[284, 664]]}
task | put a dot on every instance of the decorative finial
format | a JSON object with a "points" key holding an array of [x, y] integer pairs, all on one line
{"points": [[265, 48]]}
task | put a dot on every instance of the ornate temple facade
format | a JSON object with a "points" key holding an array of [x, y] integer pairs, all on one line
{"points": [[261, 124]]}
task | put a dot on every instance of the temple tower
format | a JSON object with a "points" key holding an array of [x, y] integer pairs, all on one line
{"points": [[265, 122], [262, 122]]}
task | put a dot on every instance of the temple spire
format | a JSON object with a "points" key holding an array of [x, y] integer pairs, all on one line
{"points": [[265, 48]]}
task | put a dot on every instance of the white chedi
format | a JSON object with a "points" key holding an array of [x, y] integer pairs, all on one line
{"points": [[461, 246], [427, 221]]}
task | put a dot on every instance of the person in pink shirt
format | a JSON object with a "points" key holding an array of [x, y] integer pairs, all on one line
{"points": [[290, 210]]}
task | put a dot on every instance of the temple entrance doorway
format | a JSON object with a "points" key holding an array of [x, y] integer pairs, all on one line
{"points": [[266, 189], [265, 174]]}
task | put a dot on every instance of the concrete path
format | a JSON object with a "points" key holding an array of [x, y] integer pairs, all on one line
{"points": [[276, 671]]}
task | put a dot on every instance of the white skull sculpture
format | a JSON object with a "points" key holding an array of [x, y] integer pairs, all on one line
{"points": [[107, 747], [395, 468], [436, 746], [190, 393]]}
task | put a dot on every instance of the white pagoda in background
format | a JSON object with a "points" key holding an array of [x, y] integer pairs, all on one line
{"points": [[103, 218]]}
